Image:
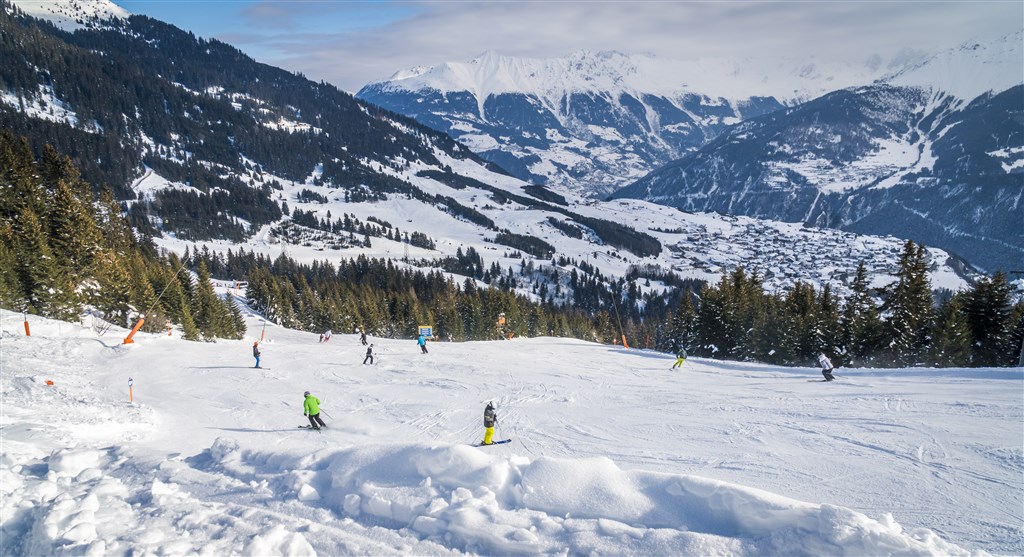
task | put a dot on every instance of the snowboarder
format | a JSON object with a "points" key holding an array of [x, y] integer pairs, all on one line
{"points": [[369, 355], [680, 358], [362, 337], [256, 353], [311, 409], [422, 341], [490, 418], [826, 366]]}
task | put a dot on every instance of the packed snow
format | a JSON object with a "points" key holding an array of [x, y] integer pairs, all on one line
{"points": [[612, 452]]}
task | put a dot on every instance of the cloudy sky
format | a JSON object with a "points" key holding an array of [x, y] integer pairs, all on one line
{"points": [[349, 43]]}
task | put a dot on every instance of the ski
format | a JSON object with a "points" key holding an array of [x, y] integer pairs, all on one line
{"points": [[309, 427], [502, 442]]}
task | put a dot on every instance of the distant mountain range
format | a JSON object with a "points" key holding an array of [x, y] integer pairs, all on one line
{"points": [[205, 145], [915, 146]]}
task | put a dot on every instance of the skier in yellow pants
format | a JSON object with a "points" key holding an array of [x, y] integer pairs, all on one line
{"points": [[681, 358], [490, 418]]}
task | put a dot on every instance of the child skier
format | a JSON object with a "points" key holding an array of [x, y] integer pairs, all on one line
{"points": [[311, 408], [490, 418], [256, 353], [680, 358], [826, 366], [369, 355], [422, 341]]}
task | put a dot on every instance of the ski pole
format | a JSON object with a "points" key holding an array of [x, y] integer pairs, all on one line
{"points": [[328, 415]]}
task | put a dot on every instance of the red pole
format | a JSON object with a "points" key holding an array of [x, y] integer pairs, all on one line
{"points": [[27, 332]]}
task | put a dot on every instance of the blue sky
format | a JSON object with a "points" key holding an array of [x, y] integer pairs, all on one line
{"points": [[349, 43]]}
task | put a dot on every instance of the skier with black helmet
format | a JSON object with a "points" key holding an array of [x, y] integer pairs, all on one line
{"points": [[490, 419], [311, 409]]}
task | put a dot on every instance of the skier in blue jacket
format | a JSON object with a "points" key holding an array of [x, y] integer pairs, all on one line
{"points": [[422, 341]]}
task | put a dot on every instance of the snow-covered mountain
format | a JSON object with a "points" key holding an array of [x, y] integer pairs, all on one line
{"points": [[916, 156], [590, 122], [612, 452], [71, 15], [237, 143], [761, 132]]}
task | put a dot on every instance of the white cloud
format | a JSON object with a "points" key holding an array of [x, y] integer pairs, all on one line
{"points": [[429, 33]]}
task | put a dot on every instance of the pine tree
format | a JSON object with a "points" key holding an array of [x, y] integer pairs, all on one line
{"points": [[910, 310], [801, 338], [206, 308], [989, 317], [19, 183], [113, 295], [951, 343], [117, 235], [43, 282], [829, 331], [74, 236], [681, 328], [11, 295], [861, 326], [712, 322]]}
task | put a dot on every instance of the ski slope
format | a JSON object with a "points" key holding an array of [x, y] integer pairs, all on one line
{"points": [[613, 452]]}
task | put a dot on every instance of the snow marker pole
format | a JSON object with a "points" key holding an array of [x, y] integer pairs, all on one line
{"points": [[135, 329], [28, 333], [128, 339], [264, 329], [131, 397]]}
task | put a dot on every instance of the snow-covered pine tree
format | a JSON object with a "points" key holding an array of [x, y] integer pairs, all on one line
{"points": [[989, 314], [909, 309], [861, 326], [951, 340]]}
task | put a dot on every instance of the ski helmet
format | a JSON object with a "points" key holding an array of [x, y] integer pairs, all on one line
{"points": [[305, 393]]}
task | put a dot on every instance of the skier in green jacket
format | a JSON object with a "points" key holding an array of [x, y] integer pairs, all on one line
{"points": [[311, 408]]}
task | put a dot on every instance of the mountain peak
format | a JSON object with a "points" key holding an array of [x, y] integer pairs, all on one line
{"points": [[967, 71], [71, 15]]}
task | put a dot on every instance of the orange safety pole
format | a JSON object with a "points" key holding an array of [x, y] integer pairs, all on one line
{"points": [[28, 333], [264, 330], [624, 343], [128, 339], [130, 397]]}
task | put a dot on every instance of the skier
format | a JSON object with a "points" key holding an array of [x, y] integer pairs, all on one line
{"points": [[422, 341], [490, 418], [826, 366], [680, 358], [256, 353], [311, 409], [362, 337], [369, 355], [327, 335]]}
